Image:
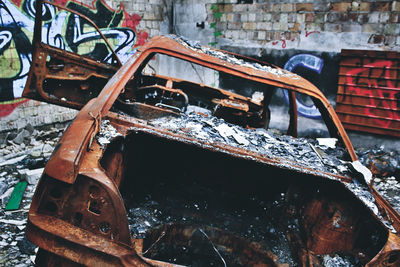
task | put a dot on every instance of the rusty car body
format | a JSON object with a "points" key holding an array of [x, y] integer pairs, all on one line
{"points": [[160, 171]]}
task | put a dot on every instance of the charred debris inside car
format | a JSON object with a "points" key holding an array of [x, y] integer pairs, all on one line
{"points": [[158, 170]]}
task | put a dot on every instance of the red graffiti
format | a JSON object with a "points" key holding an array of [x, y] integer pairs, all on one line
{"points": [[375, 81], [8, 107], [308, 33], [283, 43], [131, 21]]}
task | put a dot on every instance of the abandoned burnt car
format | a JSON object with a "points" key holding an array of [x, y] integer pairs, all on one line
{"points": [[160, 170]]}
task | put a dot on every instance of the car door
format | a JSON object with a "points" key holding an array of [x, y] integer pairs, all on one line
{"points": [[71, 58]]}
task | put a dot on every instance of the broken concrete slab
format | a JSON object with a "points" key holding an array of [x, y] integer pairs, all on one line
{"points": [[12, 161], [20, 138], [31, 176]]}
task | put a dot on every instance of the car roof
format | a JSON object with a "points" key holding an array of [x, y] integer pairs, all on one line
{"points": [[234, 64]]}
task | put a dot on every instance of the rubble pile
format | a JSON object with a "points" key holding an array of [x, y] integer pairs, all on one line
{"points": [[23, 156], [385, 165], [381, 162], [389, 187]]}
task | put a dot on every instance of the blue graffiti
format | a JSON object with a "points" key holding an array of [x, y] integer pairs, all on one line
{"points": [[310, 62]]}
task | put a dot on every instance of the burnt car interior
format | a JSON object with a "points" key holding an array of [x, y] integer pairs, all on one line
{"points": [[179, 95], [201, 208], [250, 212], [173, 200]]}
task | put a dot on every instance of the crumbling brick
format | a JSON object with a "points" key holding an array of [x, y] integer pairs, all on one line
{"points": [[292, 17], [261, 35], [294, 27], [322, 6], [228, 8], [249, 26], [239, 8], [380, 6], [365, 6], [376, 39], [333, 27], [374, 17], [384, 17], [267, 17], [230, 17], [395, 17], [396, 6], [283, 18], [252, 17], [332, 17], [392, 29], [234, 26], [267, 7], [276, 7], [309, 17], [286, 7], [253, 7], [341, 7], [351, 28], [304, 7], [390, 40]]}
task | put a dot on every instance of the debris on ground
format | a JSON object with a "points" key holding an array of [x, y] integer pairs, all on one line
{"points": [[382, 162], [23, 156]]}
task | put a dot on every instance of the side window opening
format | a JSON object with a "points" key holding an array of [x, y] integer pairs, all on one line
{"points": [[309, 127], [181, 86]]}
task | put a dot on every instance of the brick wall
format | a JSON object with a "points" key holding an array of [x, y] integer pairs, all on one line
{"points": [[309, 24], [152, 13], [36, 114]]}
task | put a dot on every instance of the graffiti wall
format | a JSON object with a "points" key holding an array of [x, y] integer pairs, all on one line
{"points": [[369, 91], [63, 30], [320, 68], [362, 85]]}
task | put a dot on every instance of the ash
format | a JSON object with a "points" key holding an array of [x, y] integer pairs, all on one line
{"points": [[256, 219], [23, 156], [106, 133], [293, 153], [389, 187], [336, 261]]}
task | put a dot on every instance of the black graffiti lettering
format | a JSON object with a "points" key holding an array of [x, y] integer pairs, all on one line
{"points": [[103, 18]]}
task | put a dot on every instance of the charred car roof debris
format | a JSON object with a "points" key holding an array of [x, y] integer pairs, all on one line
{"points": [[231, 58]]}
